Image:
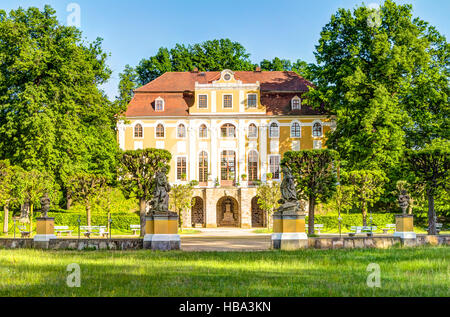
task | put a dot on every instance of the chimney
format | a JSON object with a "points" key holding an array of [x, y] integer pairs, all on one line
{"points": [[258, 69], [195, 70]]}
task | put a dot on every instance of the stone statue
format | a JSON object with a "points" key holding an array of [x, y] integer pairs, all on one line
{"points": [[25, 213], [289, 202], [160, 201], [45, 205], [403, 201]]}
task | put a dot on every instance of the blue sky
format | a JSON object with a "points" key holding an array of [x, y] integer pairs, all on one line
{"points": [[134, 29]]}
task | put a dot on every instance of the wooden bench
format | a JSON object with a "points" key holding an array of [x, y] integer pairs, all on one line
{"points": [[98, 230], [389, 227], [23, 232], [317, 227], [59, 230], [135, 229], [361, 230]]}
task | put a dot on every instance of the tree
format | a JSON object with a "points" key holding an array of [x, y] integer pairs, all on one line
{"points": [[431, 167], [384, 80], [315, 176], [53, 115], [6, 186], [268, 196], [31, 186], [136, 173], [86, 188], [181, 199], [127, 84], [366, 188]]}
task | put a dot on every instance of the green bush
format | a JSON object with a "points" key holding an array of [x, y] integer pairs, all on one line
{"points": [[330, 222]]}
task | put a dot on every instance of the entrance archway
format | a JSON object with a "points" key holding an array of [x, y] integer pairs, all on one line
{"points": [[228, 212], [258, 215], [197, 212]]}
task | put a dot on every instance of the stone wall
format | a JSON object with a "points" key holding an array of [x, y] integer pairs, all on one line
{"points": [[74, 244]]}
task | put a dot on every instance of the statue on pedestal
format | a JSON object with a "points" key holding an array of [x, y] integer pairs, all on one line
{"points": [[289, 202], [403, 201], [160, 202], [45, 205]]}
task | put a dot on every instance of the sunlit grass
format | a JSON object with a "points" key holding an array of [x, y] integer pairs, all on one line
{"points": [[404, 272]]}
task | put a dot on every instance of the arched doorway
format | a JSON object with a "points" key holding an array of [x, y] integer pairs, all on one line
{"points": [[258, 215], [197, 212], [227, 212]]}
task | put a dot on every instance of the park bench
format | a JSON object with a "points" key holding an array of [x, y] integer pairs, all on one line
{"points": [[389, 227], [317, 227], [23, 232], [135, 229], [59, 230], [98, 230], [361, 230]]}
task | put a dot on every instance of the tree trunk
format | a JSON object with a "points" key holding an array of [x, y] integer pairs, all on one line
{"points": [[31, 219], [88, 213], [312, 203], [364, 214], [5, 219], [431, 215], [68, 200], [142, 205]]}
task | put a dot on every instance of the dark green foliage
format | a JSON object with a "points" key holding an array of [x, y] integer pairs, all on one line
{"points": [[314, 175]]}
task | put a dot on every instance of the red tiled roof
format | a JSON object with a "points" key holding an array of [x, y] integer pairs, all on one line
{"points": [[277, 90], [185, 81]]}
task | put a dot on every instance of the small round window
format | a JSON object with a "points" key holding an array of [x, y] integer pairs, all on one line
{"points": [[227, 77]]}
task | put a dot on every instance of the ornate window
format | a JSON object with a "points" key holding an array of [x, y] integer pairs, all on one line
{"points": [[317, 129], [228, 168], [228, 131], [159, 104], [251, 101], [252, 166], [203, 168], [228, 101], [181, 131], [138, 131], [296, 130], [181, 168], [274, 166], [160, 131], [296, 103], [274, 131], [203, 101], [203, 132], [252, 131]]}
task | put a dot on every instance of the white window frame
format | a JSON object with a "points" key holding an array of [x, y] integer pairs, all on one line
{"points": [[198, 131], [295, 99], [292, 124], [207, 101], [223, 101], [312, 129], [185, 131], [270, 130], [248, 132], [134, 127], [176, 168], [279, 166], [164, 127], [256, 99], [163, 104]]}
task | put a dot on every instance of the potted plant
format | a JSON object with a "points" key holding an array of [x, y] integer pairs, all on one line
{"points": [[244, 180]]}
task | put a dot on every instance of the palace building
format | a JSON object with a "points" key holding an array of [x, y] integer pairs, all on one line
{"points": [[226, 130]]}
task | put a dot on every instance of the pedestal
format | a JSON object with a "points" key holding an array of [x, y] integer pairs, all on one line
{"points": [[45, 231], [161, 232], [404, 227], [289, 232]]}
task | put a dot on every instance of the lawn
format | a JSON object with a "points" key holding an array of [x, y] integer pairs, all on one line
{"points": [[404, 272]]}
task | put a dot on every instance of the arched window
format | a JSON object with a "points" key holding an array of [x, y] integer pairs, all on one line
{"points": [[159, 104], [296, 130], [181, 131], [160, 131], [317, 129], [252, 131], [274, 131], [296, 103], [138, 131], [203, 168], [203, 132], [252, 166], [228, 131]]}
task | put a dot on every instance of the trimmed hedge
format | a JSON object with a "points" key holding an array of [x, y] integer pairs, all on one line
{"points": [[330, 222], [120, 221]]}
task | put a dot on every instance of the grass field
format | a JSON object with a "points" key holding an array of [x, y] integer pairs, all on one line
{"points": [[404, 272]]}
